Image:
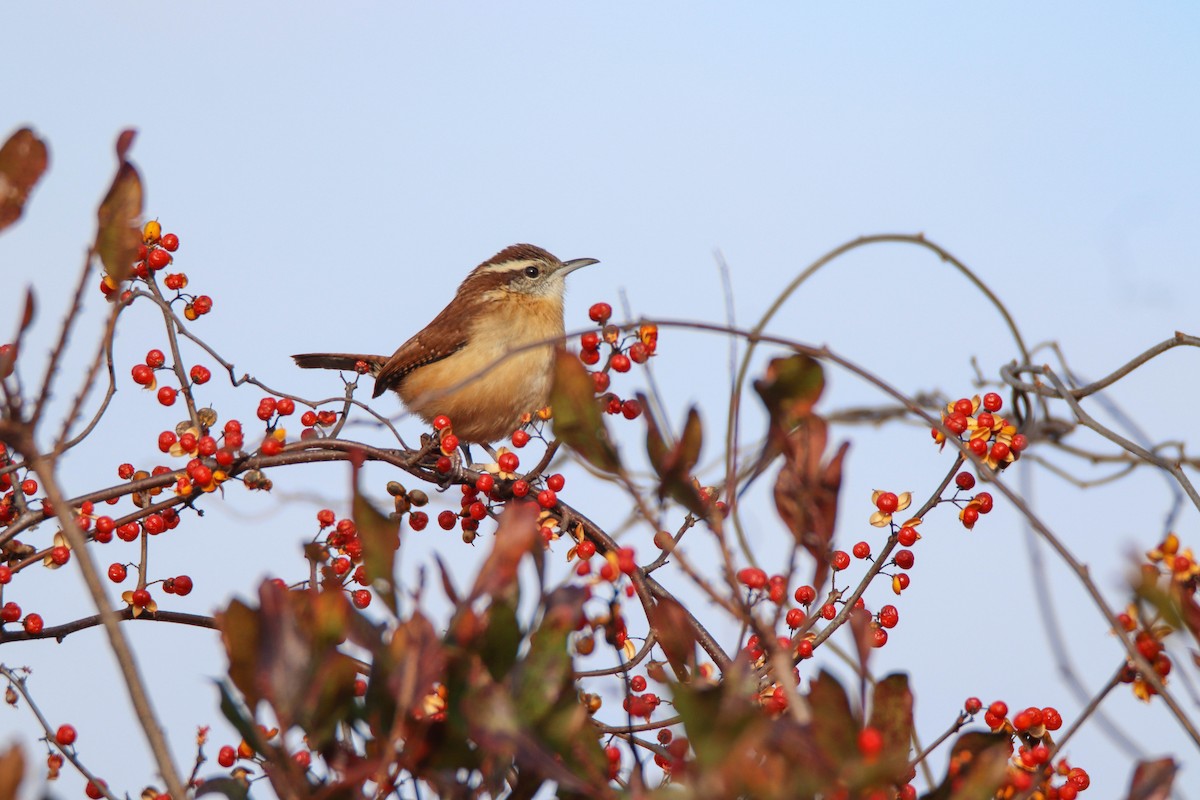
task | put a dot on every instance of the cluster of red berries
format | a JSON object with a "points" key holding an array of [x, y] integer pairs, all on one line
{"points": [[1030, 767], [11, 612], [675, 761], [623, 353], [347, 566], [990, 437]]}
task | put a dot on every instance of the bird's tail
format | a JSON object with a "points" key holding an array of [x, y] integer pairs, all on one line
{"points": [[346, 361]]}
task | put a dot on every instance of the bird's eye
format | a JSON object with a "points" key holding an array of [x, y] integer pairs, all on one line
{"points": [[532, 272]]}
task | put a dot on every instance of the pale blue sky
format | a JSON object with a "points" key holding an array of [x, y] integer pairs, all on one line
{"points": [[332, 174]]}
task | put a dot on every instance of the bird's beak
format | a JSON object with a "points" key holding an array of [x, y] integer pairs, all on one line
{"points": [[575, 263]]}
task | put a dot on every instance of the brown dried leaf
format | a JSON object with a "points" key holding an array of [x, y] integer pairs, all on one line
{"points": [[118, 234], [23, 160], [674, 464], [12, 770], [674, 632], [806, 492], [789, 390]]}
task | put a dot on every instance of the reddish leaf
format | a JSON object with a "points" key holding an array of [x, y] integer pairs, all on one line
{"points": [[806, 492], [1152, 780], [860, 626], [380, 539], [416, 661], [516, 537], [125, 142], [23, 160], [578, 420], [978, 766]]}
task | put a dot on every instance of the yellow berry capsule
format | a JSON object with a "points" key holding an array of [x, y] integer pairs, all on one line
{"points": [[151, 232]]}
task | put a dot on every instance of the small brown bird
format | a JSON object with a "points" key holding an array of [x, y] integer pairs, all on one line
{"points": [[488, 358]]}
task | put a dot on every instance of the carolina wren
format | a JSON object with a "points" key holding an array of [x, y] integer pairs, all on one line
{"points": [[487, 359]]}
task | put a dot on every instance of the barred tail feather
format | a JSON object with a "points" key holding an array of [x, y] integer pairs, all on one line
{"points": [[344, 361]]}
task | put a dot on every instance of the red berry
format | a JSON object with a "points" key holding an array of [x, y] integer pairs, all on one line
{"points": [[417, 520], [183, 585], [585, 549], [964, 406], [226, 756], [978, 447], [65, 735], [992, 401], [887, 502], [907, 536], [449, 443], [34, 624], [203, 304], [985, 421], [170, 242], [5, 575], [441, 422], [861, 550], [600, 312], [158, 258], [998, 709], [870, 743], [509, 462], [589, 357], [805, 595], [904, 559], [547, 498], [964, 481], [639, 353], [10, 612], [804, 649], [795, 618], [970, 515], [361, 598], [285, 406], [1000, 451], [631, 409], [889, 616], [447, 519], [520, 438], [166, 396], [92, 790], [840, 560], [141, 597], [485, 483], [973, 705], [620, 362], [271, 446], [556, 482], [60, 554], [29, 486], [985, 502], [829, 611], [155, 359], [1019, 442], [116, 572], [956, 422], [142, 375], [752, 577], [308, 418], [1051, 719]]}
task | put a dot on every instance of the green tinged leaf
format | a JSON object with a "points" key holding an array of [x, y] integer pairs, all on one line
{"points": [[501, 640], [675, 633], [230, 787], [23, 160], [578, 420], [892, 716], [380, 539], [790, 389], [545, 674], [674, 463], [834, 726]]}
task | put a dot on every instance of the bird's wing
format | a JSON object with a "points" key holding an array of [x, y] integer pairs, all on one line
{"points": [[443, 337]]}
